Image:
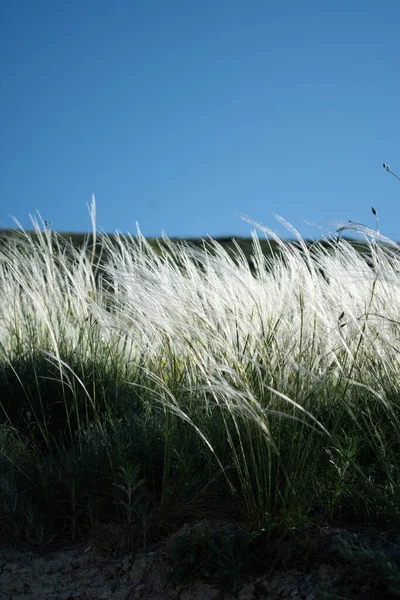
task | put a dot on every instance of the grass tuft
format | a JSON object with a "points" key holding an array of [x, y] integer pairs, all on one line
{"points": [[149, 387]]}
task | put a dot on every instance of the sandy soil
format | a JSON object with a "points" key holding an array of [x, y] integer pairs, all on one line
{"points": [[89, 572]]}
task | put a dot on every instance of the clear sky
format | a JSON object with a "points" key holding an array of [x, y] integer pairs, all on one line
{"points": [[180, 114]]}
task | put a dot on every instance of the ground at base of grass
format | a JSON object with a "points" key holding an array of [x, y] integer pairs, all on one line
{"points": [[196, 563]]}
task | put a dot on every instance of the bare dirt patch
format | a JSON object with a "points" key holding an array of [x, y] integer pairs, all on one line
{"points": [[97, 571]]}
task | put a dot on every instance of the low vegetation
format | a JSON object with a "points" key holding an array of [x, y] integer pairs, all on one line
{"points": [[150, 386]]}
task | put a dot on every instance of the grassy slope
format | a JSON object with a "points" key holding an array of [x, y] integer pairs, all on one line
{"points": [[151, 387]]}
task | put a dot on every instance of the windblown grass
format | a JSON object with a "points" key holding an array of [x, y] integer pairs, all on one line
{"points": [[149, 387]]}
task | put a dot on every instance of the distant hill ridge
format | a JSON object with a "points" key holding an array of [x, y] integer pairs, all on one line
{"points": [[268, 245]]}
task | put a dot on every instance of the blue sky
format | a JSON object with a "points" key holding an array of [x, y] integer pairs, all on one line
{"points": [[181, 114]]}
